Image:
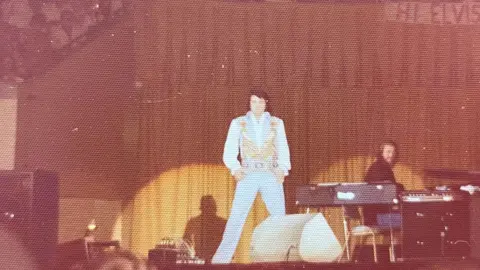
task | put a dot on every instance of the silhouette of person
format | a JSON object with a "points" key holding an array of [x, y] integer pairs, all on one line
{"points": [[204, 232]]}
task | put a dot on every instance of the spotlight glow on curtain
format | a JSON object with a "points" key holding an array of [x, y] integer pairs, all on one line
{"points": [[162, 208]]}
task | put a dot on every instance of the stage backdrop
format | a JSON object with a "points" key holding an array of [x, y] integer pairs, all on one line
{"points": [[342, 76]]}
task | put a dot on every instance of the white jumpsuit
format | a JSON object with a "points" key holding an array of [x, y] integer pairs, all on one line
{"points": [[263, 149]]}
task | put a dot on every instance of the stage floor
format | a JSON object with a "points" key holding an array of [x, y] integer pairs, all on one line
{"points": [[420, 264]]}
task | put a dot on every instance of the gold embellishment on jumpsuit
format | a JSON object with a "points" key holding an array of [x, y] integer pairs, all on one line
{"points": [[251, 150]]}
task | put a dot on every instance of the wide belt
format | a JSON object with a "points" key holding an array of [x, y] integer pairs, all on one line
{"points": [[259, 166]]}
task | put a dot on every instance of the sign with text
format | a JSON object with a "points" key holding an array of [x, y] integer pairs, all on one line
{"points": [[440, 13]]}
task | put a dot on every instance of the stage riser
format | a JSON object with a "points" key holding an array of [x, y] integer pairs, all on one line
{"points": [[420, 265]]}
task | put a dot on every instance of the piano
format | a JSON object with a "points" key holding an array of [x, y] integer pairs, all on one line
{"points": [[339, 194]]}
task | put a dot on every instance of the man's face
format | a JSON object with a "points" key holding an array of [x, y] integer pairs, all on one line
{"points": [[257, 105], [388, 153]]}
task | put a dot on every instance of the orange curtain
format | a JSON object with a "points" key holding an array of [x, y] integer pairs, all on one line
{"points": [[341, 76]]}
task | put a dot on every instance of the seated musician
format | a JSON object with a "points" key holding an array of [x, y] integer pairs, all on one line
{"points": [[380, 172]]}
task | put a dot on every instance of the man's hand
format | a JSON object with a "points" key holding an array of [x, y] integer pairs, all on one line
{"points": [[239, 174], [280, 175]]}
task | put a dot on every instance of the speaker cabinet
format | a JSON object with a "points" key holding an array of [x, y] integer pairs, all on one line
{"points": [[436, 229], [300, 237], [475, 226], [29, 208], [162, 257]]}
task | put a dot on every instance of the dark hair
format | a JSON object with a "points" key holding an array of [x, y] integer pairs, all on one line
{"points": [[382, 146], [261, 93]]}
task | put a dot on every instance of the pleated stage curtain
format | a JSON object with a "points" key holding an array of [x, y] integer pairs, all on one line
{"points": [[343, 77]]}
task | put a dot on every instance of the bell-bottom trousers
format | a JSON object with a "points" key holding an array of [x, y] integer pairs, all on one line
{"points": [[245, 193]]}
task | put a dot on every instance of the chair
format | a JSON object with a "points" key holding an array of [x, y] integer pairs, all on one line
{"points": [[386, 223]]}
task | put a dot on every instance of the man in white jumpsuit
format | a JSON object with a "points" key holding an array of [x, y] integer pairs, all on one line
{"points": [[265, 161]]}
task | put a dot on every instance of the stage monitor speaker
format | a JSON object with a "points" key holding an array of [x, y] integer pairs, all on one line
{"points": [[299, 237], [29, 209]]}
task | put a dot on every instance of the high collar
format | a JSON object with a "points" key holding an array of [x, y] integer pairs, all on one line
{"points": [[264, 116]]}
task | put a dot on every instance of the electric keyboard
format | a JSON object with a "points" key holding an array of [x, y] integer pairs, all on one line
{"points": [[338, 194]]}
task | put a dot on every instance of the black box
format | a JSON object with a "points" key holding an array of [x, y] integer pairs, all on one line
{"points": [[436, 229], [162, 256]]}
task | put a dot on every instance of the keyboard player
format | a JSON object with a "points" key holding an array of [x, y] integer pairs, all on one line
{"points": [[381, 172]]}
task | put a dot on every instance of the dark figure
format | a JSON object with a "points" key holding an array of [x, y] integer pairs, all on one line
{"points": [[380, 172], [204, 232]]}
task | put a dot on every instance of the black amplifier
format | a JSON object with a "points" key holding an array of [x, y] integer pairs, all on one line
{"points": [[435, 224], [163, 256]]}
